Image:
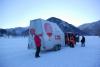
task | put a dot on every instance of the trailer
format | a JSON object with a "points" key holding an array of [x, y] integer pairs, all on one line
{"points": [[51, 35]]}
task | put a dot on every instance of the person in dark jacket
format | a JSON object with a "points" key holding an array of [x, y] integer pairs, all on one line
{"points": [[83, 41]]}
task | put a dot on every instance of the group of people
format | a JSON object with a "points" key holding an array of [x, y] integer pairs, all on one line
{"points": [[71, 39]]}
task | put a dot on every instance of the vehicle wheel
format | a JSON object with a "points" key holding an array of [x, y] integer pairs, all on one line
{"points": [[57, 47]]}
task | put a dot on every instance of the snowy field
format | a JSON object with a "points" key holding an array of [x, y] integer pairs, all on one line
{"points": [[14, 53]]}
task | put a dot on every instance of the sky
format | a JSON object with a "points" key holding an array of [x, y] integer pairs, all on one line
{"points": [[18, 13]]}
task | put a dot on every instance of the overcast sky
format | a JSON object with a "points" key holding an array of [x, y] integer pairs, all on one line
{"points": [[18, 13]]}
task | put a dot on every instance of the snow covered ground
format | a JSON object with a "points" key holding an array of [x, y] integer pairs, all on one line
{"points": [[14, 53]]}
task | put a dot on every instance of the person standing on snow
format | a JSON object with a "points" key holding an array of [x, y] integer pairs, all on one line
{"points": [[83, 41], [37, 41], [72, 41]]}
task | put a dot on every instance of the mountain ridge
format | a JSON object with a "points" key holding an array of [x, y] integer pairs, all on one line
{"points": [[91, 28]]}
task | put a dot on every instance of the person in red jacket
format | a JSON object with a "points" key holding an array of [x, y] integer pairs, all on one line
{"points": [[37, 41], [72, 41]]}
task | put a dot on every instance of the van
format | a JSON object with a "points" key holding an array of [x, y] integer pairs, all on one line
{"points": [[51, 35]]}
